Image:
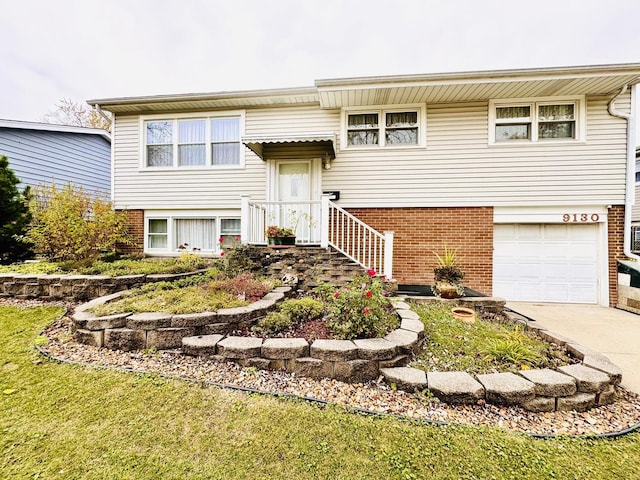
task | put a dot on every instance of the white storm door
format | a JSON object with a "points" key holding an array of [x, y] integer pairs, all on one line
{"points": [[294, 187]]}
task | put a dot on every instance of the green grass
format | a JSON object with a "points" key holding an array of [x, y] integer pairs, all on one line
{"points": [[60, 421], [481, 347], [144, 266]]}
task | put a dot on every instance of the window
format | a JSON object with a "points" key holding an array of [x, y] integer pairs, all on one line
{"points": [[383, 128], [635, 239], [181, 232], [535, 121], [193, 142]]}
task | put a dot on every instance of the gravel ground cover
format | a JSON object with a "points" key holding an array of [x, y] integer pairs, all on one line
{"points": [[376, 396]]}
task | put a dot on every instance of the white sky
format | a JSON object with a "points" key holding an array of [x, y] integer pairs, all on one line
{"points": [[83, 49]]}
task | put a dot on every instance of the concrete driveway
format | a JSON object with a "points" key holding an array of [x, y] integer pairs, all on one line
{"points": [[612, 332]]}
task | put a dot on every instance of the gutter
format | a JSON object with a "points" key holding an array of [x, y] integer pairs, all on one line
{"points": [[631, 162]]}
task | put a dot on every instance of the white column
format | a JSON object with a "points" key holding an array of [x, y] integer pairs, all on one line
{"points": [[388, 255], [245, 219], [324, 221]]}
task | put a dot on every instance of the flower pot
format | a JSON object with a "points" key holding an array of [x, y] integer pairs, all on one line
{"points": [[274, 241], [288, 240], [465, 314], [447, 290]]}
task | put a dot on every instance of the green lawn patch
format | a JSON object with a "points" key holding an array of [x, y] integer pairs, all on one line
{"points": [[60, 421], [143, 266], [482, 346]]}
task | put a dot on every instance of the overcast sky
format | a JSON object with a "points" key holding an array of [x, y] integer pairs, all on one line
{"points": [[85, 49]]}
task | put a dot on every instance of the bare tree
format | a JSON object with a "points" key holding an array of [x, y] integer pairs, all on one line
{"points": [[79, 114]]}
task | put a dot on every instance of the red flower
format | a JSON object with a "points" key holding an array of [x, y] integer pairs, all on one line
{"points": [[366, 311], [237, 239], [368, 294], [336, 295], [220, 240], [222, 253], [371, 272]]}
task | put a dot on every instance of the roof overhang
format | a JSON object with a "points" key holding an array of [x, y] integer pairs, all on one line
{"points": [[257, 143], [476, 86], [54, 127], [191, 102]]}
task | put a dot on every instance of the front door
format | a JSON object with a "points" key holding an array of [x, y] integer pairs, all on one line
{"points": [[295, 190]]}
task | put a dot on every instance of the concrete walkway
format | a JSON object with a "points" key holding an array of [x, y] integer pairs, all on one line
{"points": [[612, 332]]}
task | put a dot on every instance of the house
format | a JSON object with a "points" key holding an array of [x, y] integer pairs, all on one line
{"points": [[42, 153], [524, 172], [635, 216]]}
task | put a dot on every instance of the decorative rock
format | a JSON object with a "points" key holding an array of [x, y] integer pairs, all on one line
{"points": [[88, 337], [125, 339], [375, 349], [239, 347], [334, 350], [507, 388], [455, 387], [355, 371], [285, 348], [193, 319], [149, 321], [405, 378], [117, 320], [578, 402], [310, 367], [540, 404], [602, 363], [587, 379], [549, 383], [201, 344], [164, 338], [405, 341]]}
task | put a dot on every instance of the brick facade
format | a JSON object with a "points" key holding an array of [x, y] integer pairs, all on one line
{"points": [[616, 249], [421, 231], [136, 230]]}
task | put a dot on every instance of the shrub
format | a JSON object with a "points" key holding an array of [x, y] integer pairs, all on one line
{"points": [[301, 309], [71, 224], [274, 322], [14, 216], [243, 286], [361, 310], [239, 259]]}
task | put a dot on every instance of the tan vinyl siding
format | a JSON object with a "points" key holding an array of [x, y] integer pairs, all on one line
{"points": [[459, 167]]}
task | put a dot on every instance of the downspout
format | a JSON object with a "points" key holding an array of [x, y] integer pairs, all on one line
{"points": [[631, 165]]}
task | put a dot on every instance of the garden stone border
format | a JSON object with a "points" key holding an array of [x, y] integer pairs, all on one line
{"points": [[578, 387], [77, 287]]}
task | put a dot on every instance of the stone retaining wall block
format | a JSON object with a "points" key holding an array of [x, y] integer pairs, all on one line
{"points": [[125, 339]]}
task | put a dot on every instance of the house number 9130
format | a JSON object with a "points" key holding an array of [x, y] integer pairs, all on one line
{"points": [[580, 217]]}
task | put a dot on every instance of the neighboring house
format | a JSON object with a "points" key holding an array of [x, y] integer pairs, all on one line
{"points": [[42, 153], [522, 171], [635, 218]]}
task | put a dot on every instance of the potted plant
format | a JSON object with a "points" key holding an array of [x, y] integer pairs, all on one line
{"points": [[280, 236], [447, 276]]}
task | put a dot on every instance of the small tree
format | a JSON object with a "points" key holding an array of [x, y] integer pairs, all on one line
{"points": [[79, 114], [14, 216], [71, 224]]}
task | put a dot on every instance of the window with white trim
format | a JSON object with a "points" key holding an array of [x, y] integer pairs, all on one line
{"points": [[535, 121], [182, 233], [383, 128], [193, 142]]}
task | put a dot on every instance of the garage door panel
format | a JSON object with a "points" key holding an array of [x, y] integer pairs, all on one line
{"points": [[550, 262]]}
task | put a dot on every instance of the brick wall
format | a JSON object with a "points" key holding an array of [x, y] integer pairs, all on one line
{"points": [[421, 231], [616, 249], [136, 230]]}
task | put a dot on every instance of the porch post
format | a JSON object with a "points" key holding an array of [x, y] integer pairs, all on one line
{"points": [[388, 255], [324, 221], [244, 219]]}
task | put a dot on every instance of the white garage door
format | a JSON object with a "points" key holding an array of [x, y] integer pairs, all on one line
{"points": [[546, 263]]}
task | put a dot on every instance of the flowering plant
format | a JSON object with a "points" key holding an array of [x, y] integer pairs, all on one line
{"points": [[361, 309], [273, 231]]}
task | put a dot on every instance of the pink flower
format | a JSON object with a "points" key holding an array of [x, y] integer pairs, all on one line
{"points": [[366, 311], [368, 294], [336, 295], [371, 272], [220, 240], [237, 238], [222, 253]]}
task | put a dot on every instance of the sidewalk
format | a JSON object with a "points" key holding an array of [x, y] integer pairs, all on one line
{"points": [[614, 333]]}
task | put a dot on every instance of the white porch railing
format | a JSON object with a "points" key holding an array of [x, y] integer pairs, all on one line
{"points": [[320, 223]]}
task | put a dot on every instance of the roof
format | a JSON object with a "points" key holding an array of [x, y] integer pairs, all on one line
{"points": [[52, 127], [325, 140], [401, 89]]}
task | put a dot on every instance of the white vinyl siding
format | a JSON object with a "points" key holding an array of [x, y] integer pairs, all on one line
{"points": [[458, 167]]}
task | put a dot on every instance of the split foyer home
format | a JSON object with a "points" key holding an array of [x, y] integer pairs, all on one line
{"points": [[529, 174], [44, 153]]}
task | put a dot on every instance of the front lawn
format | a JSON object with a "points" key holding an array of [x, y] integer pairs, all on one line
{"points": [[60, 421]]}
